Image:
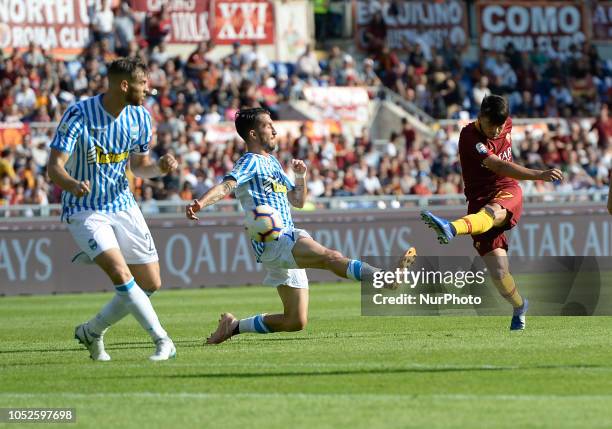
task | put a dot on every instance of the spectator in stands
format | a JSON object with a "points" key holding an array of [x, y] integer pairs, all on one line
{"points": [[481, 90], [603, 126], [258, 55], [307, 66], [102, 22], [124, 29], [158, 27], [34, 56], [376, 33]]}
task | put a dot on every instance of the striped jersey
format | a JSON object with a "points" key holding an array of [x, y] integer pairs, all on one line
{"points": [[261, 180], [99, 146]]}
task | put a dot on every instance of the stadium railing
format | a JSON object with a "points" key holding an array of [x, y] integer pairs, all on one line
{"points": [[174, 209]]}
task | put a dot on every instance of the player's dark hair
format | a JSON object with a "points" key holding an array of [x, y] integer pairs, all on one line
{"points": [[126, 67], [495, 109], [246, 120]]}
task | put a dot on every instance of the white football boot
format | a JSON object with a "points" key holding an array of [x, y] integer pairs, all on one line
{"points": [[95, 345], [164, 350]]}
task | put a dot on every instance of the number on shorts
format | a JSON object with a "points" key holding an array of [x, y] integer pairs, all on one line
{"points": [[150, 240]]}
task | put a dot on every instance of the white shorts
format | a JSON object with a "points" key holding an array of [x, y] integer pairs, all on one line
{"points": [[279, 262], [96, 232]]}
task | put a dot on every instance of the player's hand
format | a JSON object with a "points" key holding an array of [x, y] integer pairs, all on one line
{"points": [[167, 163], [298, 166], [79, 188], [192, 209], [552, 175]]}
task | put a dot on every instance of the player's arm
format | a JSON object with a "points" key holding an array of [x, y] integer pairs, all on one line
{"points": [[518, 172], [58, 174], [214, 194], [141, 163], [143, 166], [297, 196]]}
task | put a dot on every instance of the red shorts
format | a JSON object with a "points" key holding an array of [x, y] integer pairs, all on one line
{"points": [[510, 198]]}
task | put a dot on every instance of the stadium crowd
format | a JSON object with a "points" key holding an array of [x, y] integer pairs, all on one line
{"points": [[188, 95]]}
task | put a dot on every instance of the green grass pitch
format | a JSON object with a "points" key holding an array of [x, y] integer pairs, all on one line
{"points": [[344, 370]]}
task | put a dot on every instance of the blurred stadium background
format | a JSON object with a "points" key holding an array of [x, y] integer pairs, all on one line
{"points": [[372, 94]]}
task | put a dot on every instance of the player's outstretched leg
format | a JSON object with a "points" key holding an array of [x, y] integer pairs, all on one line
{"points": [[497, 264], [441, 226], [310, 254], [405, 261], [472, 224], [294, 317]]}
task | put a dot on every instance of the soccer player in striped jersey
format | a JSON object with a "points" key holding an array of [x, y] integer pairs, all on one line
{"points": [[258, 178], [89, 154]]}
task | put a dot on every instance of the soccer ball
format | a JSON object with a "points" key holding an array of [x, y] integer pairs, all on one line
{"points": [[264, 223]]}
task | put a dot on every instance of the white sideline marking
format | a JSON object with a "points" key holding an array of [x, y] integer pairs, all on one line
{"points": [[347, 366], [344, 396]]}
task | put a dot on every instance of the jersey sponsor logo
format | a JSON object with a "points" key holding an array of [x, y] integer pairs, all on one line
{"points": [[277, 187], [110, 158], [506, 155], [63, 128], [271, 185], [481, 149]]}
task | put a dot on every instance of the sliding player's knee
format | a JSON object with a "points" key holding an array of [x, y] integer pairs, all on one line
{"points": [[332, 257], [296, 322]]}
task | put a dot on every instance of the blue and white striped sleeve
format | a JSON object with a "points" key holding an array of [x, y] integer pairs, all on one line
{"points": [[244, 170], [146, 133], [69, 130]]}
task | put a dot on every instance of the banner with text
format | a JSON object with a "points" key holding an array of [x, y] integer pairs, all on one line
{"points": [[35, 257], [243, 21], [190, 20], [601, 21], [340, 103], [545, 26], [223, 21], [60, 26], [414, 21]]}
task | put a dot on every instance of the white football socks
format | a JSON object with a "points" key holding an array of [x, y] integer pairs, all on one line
{"points": [[114, 311], [253, 324], [129, 298]]}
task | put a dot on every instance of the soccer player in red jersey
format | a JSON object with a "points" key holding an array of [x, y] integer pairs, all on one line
{"points": [[494, 196]]}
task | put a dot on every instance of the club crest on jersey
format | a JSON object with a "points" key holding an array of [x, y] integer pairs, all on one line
{"points": [[481, 149]]}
